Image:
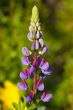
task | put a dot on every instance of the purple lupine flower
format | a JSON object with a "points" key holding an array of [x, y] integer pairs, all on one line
{"points": [[46, 97], [48, 71], [26, 74], [33, 45], [40, 85], [30, 36], [25, 51], [41, 42], [32, 68], [25, 60], [23, 86], [23, 76], [45, 66], [38, 60], [42, 62], [31, 94], [35, 62], [37, 45], [42, 76], [43, 50], [29, 98]]}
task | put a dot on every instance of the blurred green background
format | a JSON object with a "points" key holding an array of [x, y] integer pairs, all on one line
{"points": [[56, 17]]}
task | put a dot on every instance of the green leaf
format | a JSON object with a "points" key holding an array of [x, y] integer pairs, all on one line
{"points": [[32, 106], [15, 106]]}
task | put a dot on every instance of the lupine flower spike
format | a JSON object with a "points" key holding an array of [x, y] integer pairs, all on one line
{"points": [[38, 48]]}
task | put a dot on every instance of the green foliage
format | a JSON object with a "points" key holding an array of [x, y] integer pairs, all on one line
{"points": [[22, 105]]}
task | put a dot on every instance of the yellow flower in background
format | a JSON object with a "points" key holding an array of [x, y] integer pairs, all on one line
{"points": [[9, 94]]}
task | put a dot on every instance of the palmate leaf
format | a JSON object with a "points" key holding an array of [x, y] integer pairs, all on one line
{"points": [[20, 106], [32, 106]]}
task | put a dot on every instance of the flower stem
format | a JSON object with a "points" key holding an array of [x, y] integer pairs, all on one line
{"points": [[35, 76]]}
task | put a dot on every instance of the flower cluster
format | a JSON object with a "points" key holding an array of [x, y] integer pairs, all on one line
{"points": [[38, 48]]}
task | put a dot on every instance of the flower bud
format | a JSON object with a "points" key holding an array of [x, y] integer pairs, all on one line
{"points": [[35, 15], [41, 42]]}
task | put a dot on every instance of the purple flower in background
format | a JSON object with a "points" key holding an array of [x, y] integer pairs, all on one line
{"points": [[36, 67]]}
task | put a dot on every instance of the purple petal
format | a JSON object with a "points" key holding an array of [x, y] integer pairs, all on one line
{"points": [[43, 95], [48, 71], [47, 98], [42, 76], [37, 44], [31, 94], [30, 36], [28, 99], [23, 76], [39, 60], [44, 49], [22, 86], [45, 66], [40, 85], [25, 61], [27, 72], [42, 62], [41, 42], [32, 46], [32, 68], [25, 51]]}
